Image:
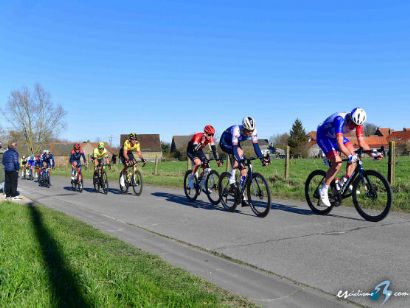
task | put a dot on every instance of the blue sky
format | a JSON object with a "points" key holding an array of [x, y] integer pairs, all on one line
{"points": [[170, 67]]}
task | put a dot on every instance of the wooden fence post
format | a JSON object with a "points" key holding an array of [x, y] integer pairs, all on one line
{"points": [[156, 165], [287, 163], [391, 173]]}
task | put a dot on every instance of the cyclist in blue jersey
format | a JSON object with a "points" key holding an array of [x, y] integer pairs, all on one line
{"points": [[47, 161], [31, 163], [230, 144], [331, 139]]}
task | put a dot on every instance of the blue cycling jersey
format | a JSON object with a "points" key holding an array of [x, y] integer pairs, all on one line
{"points": [[233, 136]]}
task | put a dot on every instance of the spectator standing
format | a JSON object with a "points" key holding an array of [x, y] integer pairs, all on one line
{"points": [[11, 169]]}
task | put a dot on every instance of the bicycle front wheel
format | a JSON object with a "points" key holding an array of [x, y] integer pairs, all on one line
{"points": [[212, 190], [372, 196], [259, 195], [136, 182], [105, 182], [123, 188], [228, 193], [313, 182]]}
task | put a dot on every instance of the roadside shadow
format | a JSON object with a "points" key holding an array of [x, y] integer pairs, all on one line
{"points": [[65, 289], [306, 212], [291, 209], [182, 200]]}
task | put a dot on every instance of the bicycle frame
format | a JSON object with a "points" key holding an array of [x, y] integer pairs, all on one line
{"points": [[344, 193]]}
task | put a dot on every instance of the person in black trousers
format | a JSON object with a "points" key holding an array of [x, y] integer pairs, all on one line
{"points": [[11, 169]]}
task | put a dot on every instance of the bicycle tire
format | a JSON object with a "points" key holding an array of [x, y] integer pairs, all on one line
{"points": [[372, 194], [105, 182], [123, 189], [96, 182], [228, 198], [312, 194], [254, 190], [190, 193], [137, 183], [212, 187]]}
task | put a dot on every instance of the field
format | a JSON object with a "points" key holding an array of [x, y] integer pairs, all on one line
{"points": [[51, 260], [171, 174]]}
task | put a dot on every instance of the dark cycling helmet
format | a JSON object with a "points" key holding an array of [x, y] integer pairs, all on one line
{"points": [[77, 146], [358, 116], [209, 130], [132, 136]]}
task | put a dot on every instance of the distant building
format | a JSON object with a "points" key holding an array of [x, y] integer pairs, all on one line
{"points": [[180, 143], [383, 132], [400, 137]]}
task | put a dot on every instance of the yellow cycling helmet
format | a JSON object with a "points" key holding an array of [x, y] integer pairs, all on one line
{"points": [[101, 145]]}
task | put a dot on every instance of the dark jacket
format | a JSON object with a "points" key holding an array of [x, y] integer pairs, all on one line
{"points": [[11, 160]]}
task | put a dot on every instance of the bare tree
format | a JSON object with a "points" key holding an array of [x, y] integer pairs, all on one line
{"points": [[280, 140], [369, 129], [34, 116]]}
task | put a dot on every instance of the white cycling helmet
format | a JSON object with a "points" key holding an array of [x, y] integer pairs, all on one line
{"points": [[249, 123], [358, 116]]}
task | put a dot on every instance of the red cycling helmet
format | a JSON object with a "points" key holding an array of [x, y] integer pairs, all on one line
{"points": [[77, 146], [209, 130]]}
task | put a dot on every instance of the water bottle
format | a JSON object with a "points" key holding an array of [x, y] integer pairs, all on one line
{"points": [[242, 182], [342, 182], [337, 184]]}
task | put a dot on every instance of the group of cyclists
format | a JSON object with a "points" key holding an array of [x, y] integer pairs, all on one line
{"points": [[331, 138], [33, 165]]}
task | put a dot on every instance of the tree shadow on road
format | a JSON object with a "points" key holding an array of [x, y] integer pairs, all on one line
{"points": [[65, 290]]}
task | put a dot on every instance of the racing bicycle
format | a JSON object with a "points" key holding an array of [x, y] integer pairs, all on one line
{"points": [[133, 178], [371, 192], [207, 181], [254, 186]]}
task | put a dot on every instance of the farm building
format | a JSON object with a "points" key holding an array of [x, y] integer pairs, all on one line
{"points": [[180, 143]]}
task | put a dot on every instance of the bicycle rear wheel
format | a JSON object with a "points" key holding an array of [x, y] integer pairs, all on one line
{"points": [[190, 192], [312, 195], [228, 193], [372, 196], [211, 186], [136, 182], [259, 195]]}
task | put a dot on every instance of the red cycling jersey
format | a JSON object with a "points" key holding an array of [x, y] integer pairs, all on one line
{"points": [[201, 141]]}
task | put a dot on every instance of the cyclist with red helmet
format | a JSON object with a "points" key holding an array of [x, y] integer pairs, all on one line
{"points": [[195, 153], [75, 160], [331, 139]]}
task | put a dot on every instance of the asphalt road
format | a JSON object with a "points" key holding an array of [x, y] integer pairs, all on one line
{"points": [[304, 259]]}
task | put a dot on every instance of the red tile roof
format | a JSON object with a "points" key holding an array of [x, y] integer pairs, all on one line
{"points": [[372, 141], [383, 131], [400, 136]]}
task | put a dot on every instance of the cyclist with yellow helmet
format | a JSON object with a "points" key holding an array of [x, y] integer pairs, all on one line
{"points": [[126, 154], [100, 155]]}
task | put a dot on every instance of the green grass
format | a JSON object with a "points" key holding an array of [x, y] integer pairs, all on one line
{"points": [[49, 259], [171, 174]]}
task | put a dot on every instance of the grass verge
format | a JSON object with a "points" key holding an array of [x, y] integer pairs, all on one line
{"points": [[50, 259]]}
